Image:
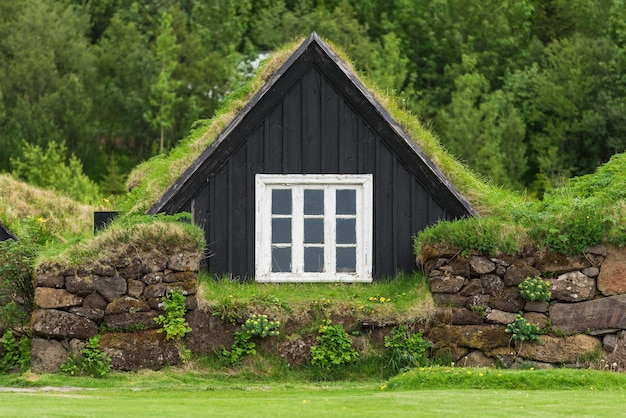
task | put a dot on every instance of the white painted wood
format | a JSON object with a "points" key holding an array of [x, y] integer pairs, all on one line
{"points": [[329, 183]]}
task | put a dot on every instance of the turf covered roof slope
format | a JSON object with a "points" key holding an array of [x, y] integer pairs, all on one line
{"points": [[149, 181]]}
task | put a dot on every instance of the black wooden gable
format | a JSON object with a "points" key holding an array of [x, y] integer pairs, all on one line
{"points": [[5, 233], [313, 116]]}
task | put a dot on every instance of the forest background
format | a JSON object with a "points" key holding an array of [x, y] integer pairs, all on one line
{"points": [[525, 92]]}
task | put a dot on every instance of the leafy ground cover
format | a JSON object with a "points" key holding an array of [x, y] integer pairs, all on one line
{"points": [[201, 393]]}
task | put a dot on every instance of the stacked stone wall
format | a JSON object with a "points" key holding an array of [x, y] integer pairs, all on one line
{"points": [[118, 297], [477, 296]]}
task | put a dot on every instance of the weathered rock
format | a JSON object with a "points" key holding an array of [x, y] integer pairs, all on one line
{"points": [[153, 262], [537, 318], [127, 320], [56, 282], [446, 284], [209, 334], [457, 266], [183, 261], [60, 324], [297, 351], [612, 277], [599, 249], [500, 317], [159, 290], [477, 300], [139, 350], [135, 288], [561, 350], [153, 278], [491, 284], [126, 304], [572, 287], [80, 285], [133, 269], [95, 301], [473, 287], [96, 268], [559, 263], [505, 355], [591, 272], [449, 300], [518, 272], [47, 356], [509, 300], [180, 276], [94, 314], [609, 343], [479, 337], [49, 298], [481, 265], [465, 317], [609, 312], [477, 359], [439, 250], [536, 306], [110, 288]]}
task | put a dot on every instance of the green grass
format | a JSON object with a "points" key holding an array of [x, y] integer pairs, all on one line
{"points": [[190, 393], [402, 298]]}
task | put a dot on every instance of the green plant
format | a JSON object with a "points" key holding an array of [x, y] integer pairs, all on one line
{"points": [[404, 349], [334, 347], [174, 324], [91, 361], [255, 326], [16, 353], [535, 289], [230, 309], [522, 330], [16, 283]]}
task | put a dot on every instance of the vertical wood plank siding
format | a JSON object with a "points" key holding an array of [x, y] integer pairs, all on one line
{"points": [[313, 129]]}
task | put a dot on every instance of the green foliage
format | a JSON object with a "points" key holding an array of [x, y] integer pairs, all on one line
{"points": [[334, 347], [16, 353], [174, 324], [230, 309], [91, 361], [521, 330], [535, 288], [255, 326], [260, 326], [48, 168], [16, 282], [404, 349]]}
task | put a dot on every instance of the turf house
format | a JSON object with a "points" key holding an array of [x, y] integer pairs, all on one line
{"points": [[312, 180], [5, 233]]}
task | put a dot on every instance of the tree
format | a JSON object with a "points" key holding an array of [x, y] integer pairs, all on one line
{"points": [[163, 92]]}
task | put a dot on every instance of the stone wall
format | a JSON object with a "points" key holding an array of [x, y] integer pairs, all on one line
{"points": [[478, 296], [117, 296]]}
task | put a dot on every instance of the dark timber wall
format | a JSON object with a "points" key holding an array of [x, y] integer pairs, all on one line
{"points": [[313, 117]]}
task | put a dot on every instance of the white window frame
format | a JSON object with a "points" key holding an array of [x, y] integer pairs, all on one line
{"points": [[361, 183]]}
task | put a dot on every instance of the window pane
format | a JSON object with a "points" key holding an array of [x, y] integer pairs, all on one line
{"points": [[346, 202], [281, 202], [281, 259], [346, 260], [313, 202], [313, 260], [314, 231], [281, 230], [346, 231]]}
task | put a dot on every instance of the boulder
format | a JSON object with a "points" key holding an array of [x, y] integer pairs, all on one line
{"points": [[183, 261], [561, 349], [153, 278], [509, 300], [153, 262], [500, 317], [59, 324], [536, 306], [180, 276], [209, 334], [572, 287], [49, 298], [94, 314], [128, 320], [56, 282], [477, 359], [598, 314], [612, 277], [139, 350], [474, 287], [457, 266], [80, 285], [491, 284], [47, 356], [536, 318], [95, 301], [110, 288], [126, 304], [449, 300], [518, 272], [559, 263], [446, 283], [481, 265], [461, 316], [135, 288]]}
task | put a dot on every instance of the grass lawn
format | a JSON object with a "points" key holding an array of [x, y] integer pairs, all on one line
{"points": [[198, 393]]}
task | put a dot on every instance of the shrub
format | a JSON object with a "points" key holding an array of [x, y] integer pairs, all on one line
{"points": [[16, 353], [535, 288], [90, 361], [521, 330], [174, 324], [334, 347], [404, 349]]}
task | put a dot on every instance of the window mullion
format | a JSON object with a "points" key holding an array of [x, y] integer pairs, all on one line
{"points": [[297, 229], [330, 227]]}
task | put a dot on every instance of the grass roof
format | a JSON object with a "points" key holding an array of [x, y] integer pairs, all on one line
{"points": [[151, 179]]}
